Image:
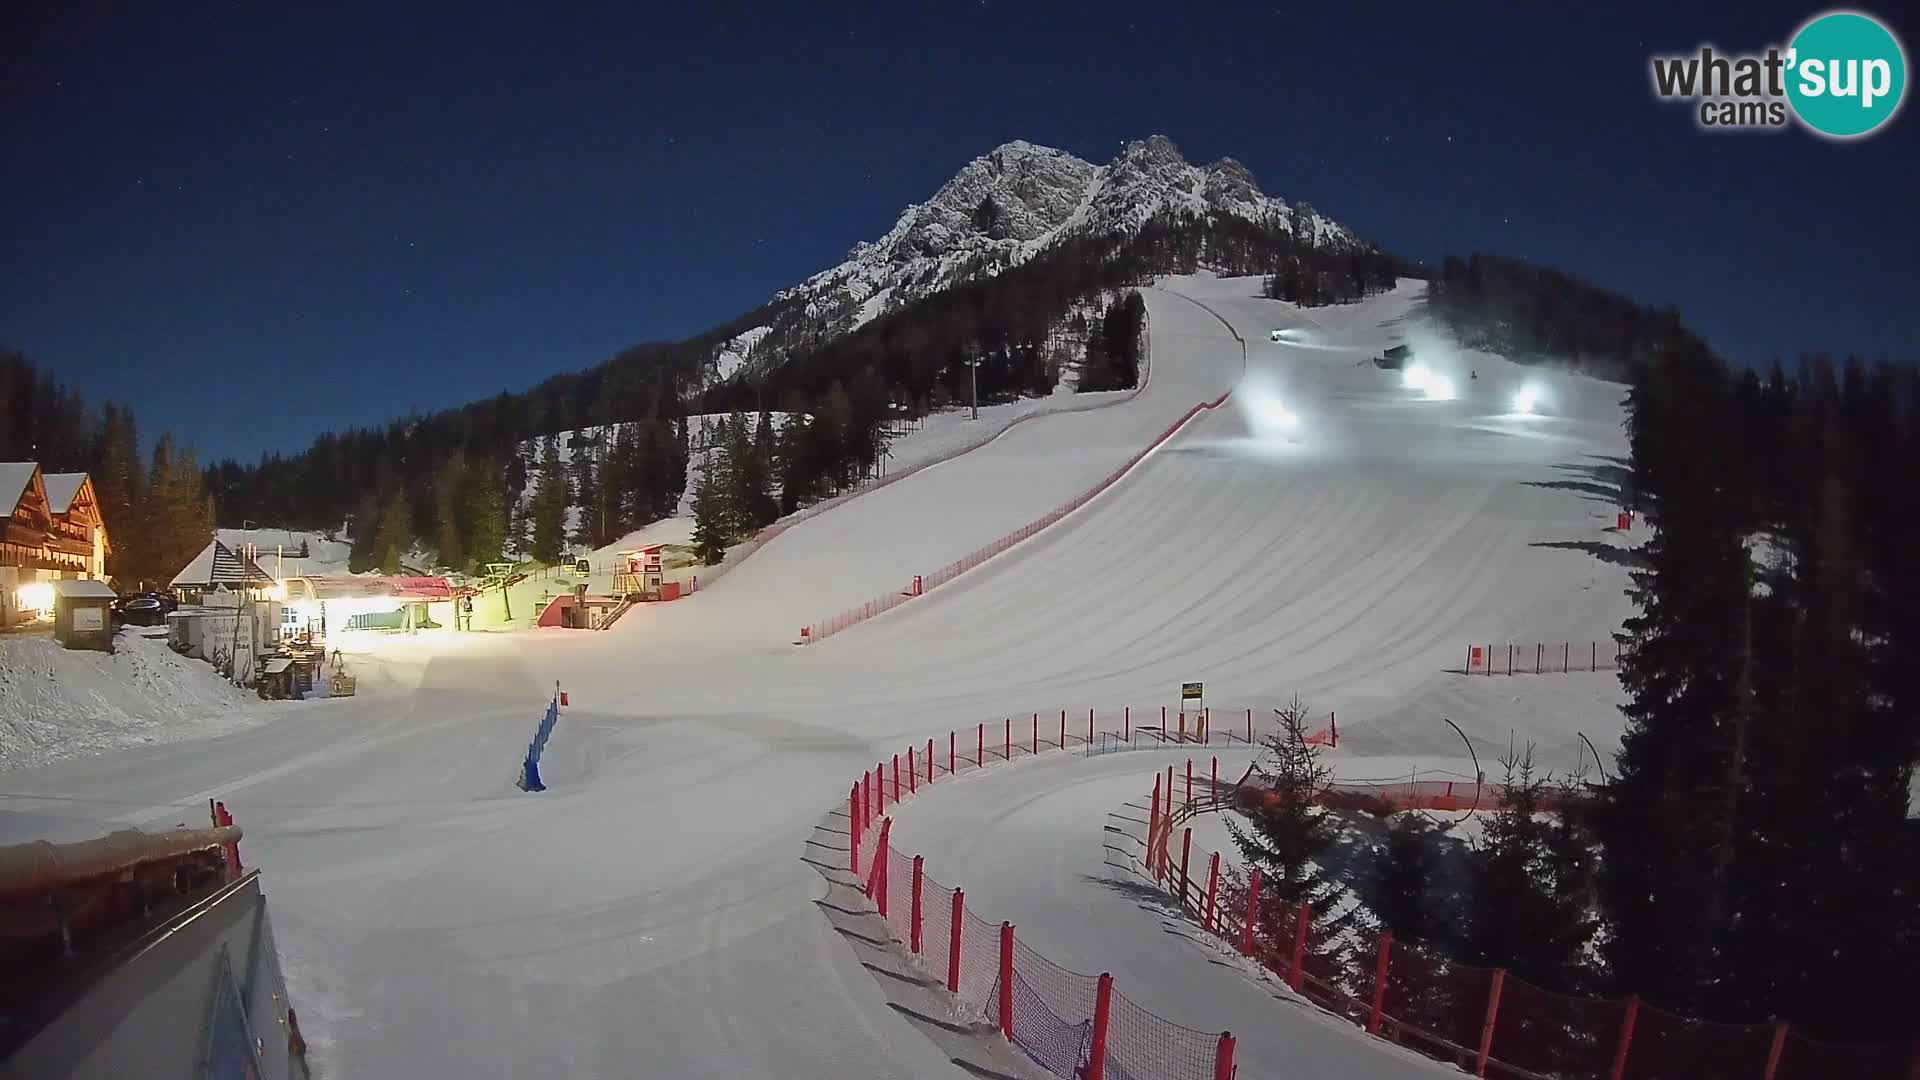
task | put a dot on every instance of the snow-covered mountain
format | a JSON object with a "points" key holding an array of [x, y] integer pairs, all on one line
{"points": [[1010, 204], [998, 211]]}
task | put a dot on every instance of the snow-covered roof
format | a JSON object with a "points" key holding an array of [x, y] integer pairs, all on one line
{"points": [[83, 588], [61, 488], [217, 564], [14, 478]]}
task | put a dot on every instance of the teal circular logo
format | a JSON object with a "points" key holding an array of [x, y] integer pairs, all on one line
{"points": [[1846, 74]]}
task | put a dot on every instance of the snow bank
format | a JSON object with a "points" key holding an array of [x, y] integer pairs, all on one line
{"points": [[58, 703]]}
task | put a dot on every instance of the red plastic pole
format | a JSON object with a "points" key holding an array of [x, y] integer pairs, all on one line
{"points": [[1089, 726], [930, 761], [853, 849], [1186, 852], [1063, 729], [1626, 1039], [1163, 723], [980, 746], [1153, 821], [1183, 725], [1249, 727], [1223, 1057], [1189, 783], [1539, 650], [1773, 1052], [1509, 659], [1593, 657], [919, 877], [1097, 1046], [1486, 1030], [913, 773], [1380, 982], [1036, 733], [1294, 976], [951, 736], [1469, 668], [1213, 890], [1214, 784], [1566, 652], [1253, 913], [1333, 728], [866, 792], [896, 778], [1489, 659], [1006, 979], [1009, 738], [1206, 724], [1126, 722], [953, 941]]}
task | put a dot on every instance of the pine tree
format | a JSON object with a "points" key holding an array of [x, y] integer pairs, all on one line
{"points": [[763, 508], [121, 489], [796, 476], [1529, 911], [736, 477], [605, 508], [449, 498], [485, 514], [1405, 900], [395, 534], [709, 521], [1288, 829], [586, 493], [548, 514], [364, 531], [1669, 818]]}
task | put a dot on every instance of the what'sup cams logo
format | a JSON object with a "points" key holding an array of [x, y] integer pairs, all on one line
{"points": [[1843, 75]]}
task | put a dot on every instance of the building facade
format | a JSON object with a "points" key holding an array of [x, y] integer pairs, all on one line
{"points": [[53, 531]]}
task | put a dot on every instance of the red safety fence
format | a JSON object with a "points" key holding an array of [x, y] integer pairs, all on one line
{"points": [[893, 599], [1074, 1025], [1481, 1019], [1541, 658]]}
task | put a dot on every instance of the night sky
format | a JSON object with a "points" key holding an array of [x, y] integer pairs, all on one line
{"points": [[260, 221]]}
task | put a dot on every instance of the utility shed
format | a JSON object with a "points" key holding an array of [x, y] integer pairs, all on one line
{"points": [[83, 614]]}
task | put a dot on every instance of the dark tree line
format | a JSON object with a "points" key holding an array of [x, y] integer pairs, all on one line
{"points": [[158, 514], [1530, 312], [1761, 857]]}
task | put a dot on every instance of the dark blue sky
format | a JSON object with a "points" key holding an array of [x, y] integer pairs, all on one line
{"points": [[257, 223]]}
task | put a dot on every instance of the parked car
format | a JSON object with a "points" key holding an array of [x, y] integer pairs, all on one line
{"points": [[144, 609]]}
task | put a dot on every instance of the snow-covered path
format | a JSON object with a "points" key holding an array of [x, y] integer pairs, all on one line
{"points": [[650, 915]]}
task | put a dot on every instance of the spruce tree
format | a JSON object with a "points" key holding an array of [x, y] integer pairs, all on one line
{"points": [[449, 498], [736, 476], [1669, 818], [364, 531], [547, 534], [485, 514], [605, 509], [709, 520], [121, 489], [395, 534], [1405, 900], [586, 493], [1289, 828], [1529, 911]]}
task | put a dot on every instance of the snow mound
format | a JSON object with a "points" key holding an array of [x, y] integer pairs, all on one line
{"points": [[58, 703]]}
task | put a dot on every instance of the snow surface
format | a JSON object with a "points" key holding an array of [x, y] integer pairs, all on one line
{"points": [[14, 478], [61, 488], [650, 913], [279, 551], [60, 703]]}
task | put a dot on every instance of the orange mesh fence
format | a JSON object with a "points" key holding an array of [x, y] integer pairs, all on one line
{"points": [[1557, 1035], [1141, 1045], [1052, 1012], [1809, 1059], [1436, 1005], [1668, 1045]]}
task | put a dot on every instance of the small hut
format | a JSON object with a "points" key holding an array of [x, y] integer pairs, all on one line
{"points": [[83, 614]]}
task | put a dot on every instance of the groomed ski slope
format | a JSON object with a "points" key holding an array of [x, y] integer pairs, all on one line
{"points": [[650, 914]]}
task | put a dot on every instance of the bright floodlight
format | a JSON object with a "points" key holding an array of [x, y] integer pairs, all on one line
{"points": [[1266, 412], [1439, 388], [1528, 400], [1416, 376]]}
